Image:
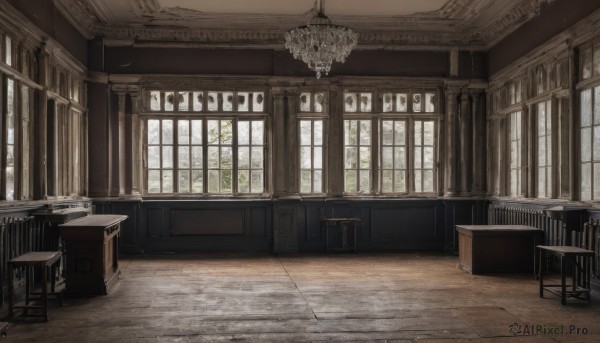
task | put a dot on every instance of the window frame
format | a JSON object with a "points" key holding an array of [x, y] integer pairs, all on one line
{"points": [[205, 115], [313, 115]]}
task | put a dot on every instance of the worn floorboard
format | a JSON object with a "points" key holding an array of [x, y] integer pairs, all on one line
{"points": [[316, 298]]}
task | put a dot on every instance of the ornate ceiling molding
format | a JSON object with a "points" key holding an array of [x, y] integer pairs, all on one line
{"points": [[458, 22]]}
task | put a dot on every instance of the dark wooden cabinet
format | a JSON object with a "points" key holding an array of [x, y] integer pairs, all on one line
{"points": [[92, 247], [497, 248]]}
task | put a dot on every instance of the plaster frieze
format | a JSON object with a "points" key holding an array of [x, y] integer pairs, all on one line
{"points": [[458, 22]]}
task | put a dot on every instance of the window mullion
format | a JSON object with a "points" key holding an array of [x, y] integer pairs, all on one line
{"points": [[234, 154]]}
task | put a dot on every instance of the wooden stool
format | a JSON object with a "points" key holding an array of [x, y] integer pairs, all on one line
{"points": [[580, 274], [44, 260]]}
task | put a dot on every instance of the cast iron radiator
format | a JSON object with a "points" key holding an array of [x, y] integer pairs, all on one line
{"points": [[591, 241], [554, 234]]}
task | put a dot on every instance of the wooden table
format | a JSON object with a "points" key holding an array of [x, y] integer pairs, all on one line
{"points": [[43, 260], [347, 229], [92, 245], [497, 248], [580, 273]]}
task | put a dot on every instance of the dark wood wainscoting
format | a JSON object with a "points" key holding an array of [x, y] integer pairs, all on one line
{"points": [[288, 226]]}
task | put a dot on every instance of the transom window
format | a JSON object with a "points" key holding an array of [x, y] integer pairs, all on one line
{"points": [[219, 153]]}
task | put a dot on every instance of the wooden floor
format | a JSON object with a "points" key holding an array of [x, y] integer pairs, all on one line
{"points": [[346, 297]]}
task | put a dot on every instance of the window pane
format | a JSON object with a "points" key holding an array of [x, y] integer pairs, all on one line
{"points": [[318, 158], [212, 103], [243, 101], [184, 101], [350, 102], [197, 157], [258, 132], [213, 181], [399, 181], [365, 102], [196, 132], [198, 98], [213, 158], [8, 50], [418, 181], [318, 181], [400, 133], [541, 182], [184, 181], [365, 132], [319, 102], [586, 181], [387, 181], [388, 105], [167, 157], [169, 101], [257, 181], [226, 157], [417, 103], [418, 132], [259, 102], [430, 102], [586, 63], [586, 149], [365, 183], [586, 107], [428, 157], [167, 181], [350, 132], [387, 158], [226, 181], [305, 132], [400, 158], [244, 157], [197, 181], [153, 181], [428, 181], [243, 132], [350, 184], [401, 102], [365, 157], [227, 101], [257, 158], [153, 157], [318, 132], [184, 157], [387, 134], [305, 102], [305, 181], [418, 158], [428, 133], [155, 101], [183, 131], [167, 132], [213, 132], [244, 181], [226, 131]]}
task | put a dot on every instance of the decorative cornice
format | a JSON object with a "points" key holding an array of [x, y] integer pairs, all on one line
{"points": [[458, 22]]}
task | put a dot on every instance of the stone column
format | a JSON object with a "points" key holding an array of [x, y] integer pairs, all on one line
{"points": [[40, 177], [478, 144], [450, 169], [465, 144], [124, 158], [291, 127], [135, 147], [335, 148], [278, 143]]}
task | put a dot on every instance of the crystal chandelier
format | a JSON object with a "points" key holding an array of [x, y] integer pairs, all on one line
{"points": [[320, 42]]}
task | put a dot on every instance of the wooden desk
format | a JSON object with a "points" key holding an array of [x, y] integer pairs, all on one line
{"points": [[580, 274], [43, 260], [92, 245], [347, 229], [497, 248]]}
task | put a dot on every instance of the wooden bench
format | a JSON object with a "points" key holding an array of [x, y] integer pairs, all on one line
{"points": [[580, 274], [44, 260]]}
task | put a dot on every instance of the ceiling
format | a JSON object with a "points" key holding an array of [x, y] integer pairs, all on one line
{"points": [[475, 24]]}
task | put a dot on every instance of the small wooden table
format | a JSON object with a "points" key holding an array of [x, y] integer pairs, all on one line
{"points": [[580, 275], [497, 248], [92, 245], [343, 224], [42, 259]]}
